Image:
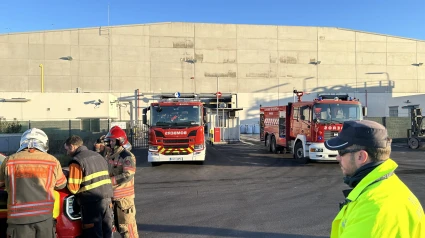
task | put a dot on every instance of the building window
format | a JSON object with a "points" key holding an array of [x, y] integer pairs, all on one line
{"points": [[394, 111], [92, 124], [296, 112]]}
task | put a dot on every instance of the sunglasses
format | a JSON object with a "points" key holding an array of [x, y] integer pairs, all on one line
{"points": [[343, 152]]}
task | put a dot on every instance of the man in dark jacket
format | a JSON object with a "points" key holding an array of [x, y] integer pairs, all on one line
{"points": [[90, 182]]}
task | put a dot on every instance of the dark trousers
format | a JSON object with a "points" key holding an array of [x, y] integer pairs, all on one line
{"points": [[42, 229], [97, 218]]}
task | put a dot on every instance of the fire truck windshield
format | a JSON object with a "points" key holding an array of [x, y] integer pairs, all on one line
{"points": [[327, 113], [175, 116]]}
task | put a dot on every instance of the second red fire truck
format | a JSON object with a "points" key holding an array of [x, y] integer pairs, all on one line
{"points": [[302, 127]]}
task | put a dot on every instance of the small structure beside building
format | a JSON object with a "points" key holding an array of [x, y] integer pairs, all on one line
{"points": [[223, 125]]}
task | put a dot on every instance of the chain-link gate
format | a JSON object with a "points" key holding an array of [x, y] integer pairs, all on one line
{"points": [[140, 135]]}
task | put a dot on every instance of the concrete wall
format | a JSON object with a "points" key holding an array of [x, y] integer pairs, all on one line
{"points": [[58, 106], [256, 61]]}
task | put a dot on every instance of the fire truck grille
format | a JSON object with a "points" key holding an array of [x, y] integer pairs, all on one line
{"points": [[183, 149], [330, 134], [176, 146], [182, 152], [176, 141]]}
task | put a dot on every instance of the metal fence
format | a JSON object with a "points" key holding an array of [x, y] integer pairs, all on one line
{"points": [[88, 129], [140, 135]]}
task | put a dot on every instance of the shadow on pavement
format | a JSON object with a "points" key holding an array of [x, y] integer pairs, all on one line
{"points": [[237, 154], [215, 232]]}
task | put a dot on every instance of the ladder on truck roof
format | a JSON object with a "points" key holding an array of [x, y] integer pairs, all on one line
{"points": [[191, 95], [340, 96], [171, 97]]}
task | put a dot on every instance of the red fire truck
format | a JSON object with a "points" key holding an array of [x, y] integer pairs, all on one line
{"points": [[176, 130], [302, 127]]}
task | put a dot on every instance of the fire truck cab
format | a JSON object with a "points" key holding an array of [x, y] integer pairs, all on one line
{"points": [[176, 130], [302, 127]]}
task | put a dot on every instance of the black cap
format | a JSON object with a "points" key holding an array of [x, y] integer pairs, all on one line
{"points": [[363, 133]]}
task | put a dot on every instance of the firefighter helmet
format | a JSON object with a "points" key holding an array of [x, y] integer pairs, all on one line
{"points": [[34, 138], [117, 133]]}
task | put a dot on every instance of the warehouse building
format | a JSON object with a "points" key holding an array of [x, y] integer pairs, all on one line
{"points": [[65, 74]]}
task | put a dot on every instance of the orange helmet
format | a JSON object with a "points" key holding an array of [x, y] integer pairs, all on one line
{"points": [[117, 133]]}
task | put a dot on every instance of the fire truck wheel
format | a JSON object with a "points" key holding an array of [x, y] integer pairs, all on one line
{"points": [[273, 145], [299, 154], [268, 143]]}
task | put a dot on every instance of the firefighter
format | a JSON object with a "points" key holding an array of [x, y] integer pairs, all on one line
{"points": [[30, 176], [90, 182], [99, 146], [122, 167], [317, 113], [329, 112], [174, 116]]}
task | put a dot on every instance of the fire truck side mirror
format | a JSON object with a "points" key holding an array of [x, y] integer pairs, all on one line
{"points": [[144, 116], [145, 119], [204, 118], [364, 111]]}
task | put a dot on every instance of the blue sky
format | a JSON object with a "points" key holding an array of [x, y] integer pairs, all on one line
{"points": [[392, 17]]}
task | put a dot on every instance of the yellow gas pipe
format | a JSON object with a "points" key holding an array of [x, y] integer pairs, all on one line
{"points": [[42, 78]]}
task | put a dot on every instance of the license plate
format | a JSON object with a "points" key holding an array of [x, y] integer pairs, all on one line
{"points": [[176, 159]]}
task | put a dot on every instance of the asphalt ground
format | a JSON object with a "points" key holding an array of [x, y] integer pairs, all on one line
{"points": [[244, 191]]}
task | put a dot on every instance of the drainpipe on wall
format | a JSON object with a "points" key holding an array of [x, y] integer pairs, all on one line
{"points": [[366, 96], [42, 78]]}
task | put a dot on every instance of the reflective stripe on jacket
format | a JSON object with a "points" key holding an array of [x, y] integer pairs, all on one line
{"points": [[386, 208], [30, 176], [95, 183], [122, 167]]}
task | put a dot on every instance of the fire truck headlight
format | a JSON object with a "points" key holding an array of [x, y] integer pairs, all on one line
{"points": [[153, 148], [69, 208], [199, 147]]}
